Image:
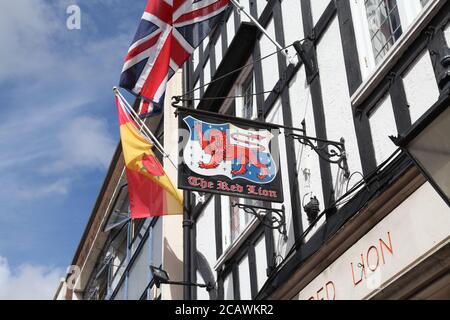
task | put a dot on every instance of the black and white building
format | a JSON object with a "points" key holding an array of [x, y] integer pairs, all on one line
{"points": [[361, 71]]}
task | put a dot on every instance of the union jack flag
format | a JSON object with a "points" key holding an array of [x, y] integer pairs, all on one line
{"points": [[167, 35], [148, 109]]}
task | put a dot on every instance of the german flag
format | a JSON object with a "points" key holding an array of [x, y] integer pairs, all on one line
{"points": [[150, 189]]}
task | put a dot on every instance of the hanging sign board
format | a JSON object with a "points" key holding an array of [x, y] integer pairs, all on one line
{"points": [[229, 156]]}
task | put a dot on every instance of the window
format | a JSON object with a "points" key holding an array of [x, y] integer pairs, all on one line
{"points": [[136, 228], [120, 213], [379, 24], [235, 221], [247, 92], [248, 112], [384, 25], [239, 219], [118, 250], [244, 108]]}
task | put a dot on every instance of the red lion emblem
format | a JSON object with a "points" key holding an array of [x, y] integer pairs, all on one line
{"points": [[152, 165], [221, 149]]}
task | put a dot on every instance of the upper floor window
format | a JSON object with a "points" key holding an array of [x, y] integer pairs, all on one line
{"points": [[245, 108], [242, 107], [379, 24], [384, 25], [247, 104], [239, 219]]}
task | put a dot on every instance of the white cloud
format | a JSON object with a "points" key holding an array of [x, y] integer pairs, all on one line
{"points": [[46, 150], [30, 137], [58, 77], [44, 160], [27, 281], [31, 192], [21, 27], [84, 143], [56, 130]]}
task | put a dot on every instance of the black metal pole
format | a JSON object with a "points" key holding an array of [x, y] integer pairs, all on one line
{"points": [[187, 224]]}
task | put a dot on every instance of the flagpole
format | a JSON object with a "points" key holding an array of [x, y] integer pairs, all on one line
{"points": [[138, 121], [149, 132], [240, 8], [143, 132]]}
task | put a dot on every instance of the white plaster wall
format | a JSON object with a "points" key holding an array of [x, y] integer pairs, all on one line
{"points": [[260, 6], [121, 292], [218, 51], [228, 292], [205, 42], [226, 232], [307, 159], [246, 5], [336, 98], [408, 10], [205, 234], [420, 86], [230, 29], [447, 34], [138, 274], [172, 225], [157, 258], [261, 261], [382, 125], [317, 8], [197, 198], [196, 57], [276, 116], [174, 87], [269, 65], [173, 255], [196, 93], [292, 22], [202, 294], [244, 279], [207, 74]]}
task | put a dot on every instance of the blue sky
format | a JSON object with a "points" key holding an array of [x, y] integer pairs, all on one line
{"points": [[58, 130]]}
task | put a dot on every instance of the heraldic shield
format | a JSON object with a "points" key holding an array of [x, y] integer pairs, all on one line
{"points": [[230, 158]]}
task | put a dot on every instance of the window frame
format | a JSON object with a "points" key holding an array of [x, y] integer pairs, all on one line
{"points": [[409, 11], [234, 107], [373, 74], [389, 14]]}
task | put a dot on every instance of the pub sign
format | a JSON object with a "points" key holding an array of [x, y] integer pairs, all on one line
{"points": [[229, 156]]}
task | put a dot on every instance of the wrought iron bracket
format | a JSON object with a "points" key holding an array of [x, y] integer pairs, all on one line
{"points": [[330, 151], [271, 218], [305, 53]]}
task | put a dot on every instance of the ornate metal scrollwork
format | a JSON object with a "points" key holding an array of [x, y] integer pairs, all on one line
{"points": [[330, 151], [275, 221]]}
